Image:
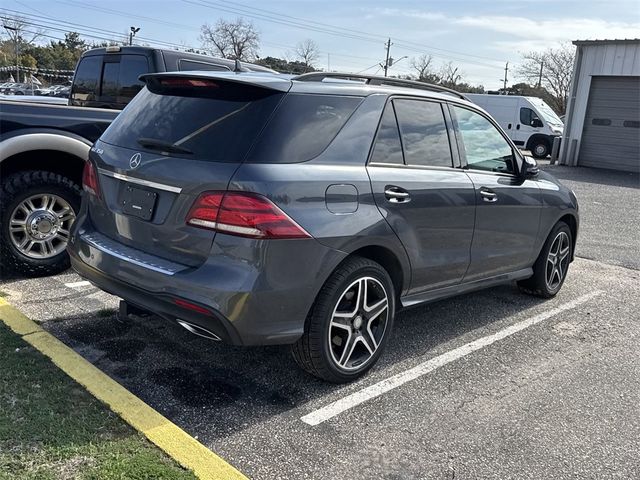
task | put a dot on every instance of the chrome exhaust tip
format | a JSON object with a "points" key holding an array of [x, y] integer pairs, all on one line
{"points": [[198, 330]]}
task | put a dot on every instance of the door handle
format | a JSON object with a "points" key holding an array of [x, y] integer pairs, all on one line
{"points": [[509, 127], [518, 127], [488, 195], [397, 195]]}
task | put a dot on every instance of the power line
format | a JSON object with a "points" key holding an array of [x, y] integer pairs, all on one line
{"points": [[298, 22]]}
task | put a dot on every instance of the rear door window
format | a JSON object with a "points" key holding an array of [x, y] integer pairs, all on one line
{"points": [[424, 133], [87, 78]]}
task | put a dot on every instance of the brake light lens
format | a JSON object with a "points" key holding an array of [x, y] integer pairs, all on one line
{"points": [[244, 214], [90, 179], [187, 82]]}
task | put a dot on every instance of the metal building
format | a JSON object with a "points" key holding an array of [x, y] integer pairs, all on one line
{"points": [[602, 125]]}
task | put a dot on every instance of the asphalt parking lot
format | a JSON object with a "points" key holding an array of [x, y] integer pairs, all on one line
{"points": [[490, 385]]}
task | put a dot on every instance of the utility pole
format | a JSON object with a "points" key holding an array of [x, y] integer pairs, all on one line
{"points": [[15, 43], [328, 62], [540, 76], [386, 61], [506, 70], [132, 34]]}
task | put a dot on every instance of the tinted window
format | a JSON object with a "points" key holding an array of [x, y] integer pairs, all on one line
{"points": [[131, 67], [110, 73], [85, 82], [484, 145], [216, 124], [303, 127], [388, 148], [527, 116], [192, 65], [424, 133]]}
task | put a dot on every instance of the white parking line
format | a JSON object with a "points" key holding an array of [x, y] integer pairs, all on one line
{"points": [[83, 283], [325, 413]]}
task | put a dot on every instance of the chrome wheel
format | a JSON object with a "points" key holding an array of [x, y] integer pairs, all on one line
{"points": [[358, 323], [557, 261], [39, 226]]}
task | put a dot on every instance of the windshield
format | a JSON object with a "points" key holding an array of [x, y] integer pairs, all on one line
{"points": [[547, 113]]}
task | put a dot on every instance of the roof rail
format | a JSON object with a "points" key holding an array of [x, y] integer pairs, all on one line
{"points": [[377, 80]]}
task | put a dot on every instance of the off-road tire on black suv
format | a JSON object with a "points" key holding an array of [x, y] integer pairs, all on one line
{"points": [[311, 352], [15, 189]]}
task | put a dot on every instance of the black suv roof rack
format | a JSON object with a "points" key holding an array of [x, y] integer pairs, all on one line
{"points": [[377, 80]]}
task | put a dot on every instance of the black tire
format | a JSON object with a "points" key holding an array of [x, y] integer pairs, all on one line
{"points": [[15, 189], [313, 352], [538, 284], [540, 148]]}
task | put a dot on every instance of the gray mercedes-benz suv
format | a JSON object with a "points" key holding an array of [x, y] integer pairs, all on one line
{"points": [[256, 209]]}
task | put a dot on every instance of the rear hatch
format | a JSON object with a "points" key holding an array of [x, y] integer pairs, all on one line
{"points": [[180, 136]]}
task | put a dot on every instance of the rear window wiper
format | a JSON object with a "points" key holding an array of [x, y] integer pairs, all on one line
{"points": [[163, 146]]}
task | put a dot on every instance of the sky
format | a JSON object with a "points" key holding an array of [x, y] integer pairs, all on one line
{"points": [[478, 36]]}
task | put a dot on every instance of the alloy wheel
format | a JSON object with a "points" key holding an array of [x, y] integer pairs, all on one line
{"points": [[557, 261], [358, 323], [39, 225]]}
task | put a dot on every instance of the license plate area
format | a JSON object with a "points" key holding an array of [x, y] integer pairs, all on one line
{"points": [[138, 202]]}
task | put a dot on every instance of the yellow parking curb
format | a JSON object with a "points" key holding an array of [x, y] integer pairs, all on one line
{"points": [[170, 438]]}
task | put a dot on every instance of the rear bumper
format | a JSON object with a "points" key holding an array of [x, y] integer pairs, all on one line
{"points": [[254, 292]]}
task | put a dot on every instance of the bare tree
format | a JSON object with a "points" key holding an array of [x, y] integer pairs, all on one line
{"points": [[307, 52], [21, 29], [423, 66], [236, 39], [22, 35], [552, 70], [450, 75]]}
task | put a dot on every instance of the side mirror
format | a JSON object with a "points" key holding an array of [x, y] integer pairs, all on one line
{"points": [[536, 123], [530, 167]]}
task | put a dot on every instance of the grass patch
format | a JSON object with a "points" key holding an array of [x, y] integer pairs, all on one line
{"points": [[51, 427]]}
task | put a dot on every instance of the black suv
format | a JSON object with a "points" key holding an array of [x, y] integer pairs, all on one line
{"points": [[256, 209]]}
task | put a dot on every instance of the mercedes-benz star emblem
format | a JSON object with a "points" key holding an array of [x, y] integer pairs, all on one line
{"points": [[134, 161]]}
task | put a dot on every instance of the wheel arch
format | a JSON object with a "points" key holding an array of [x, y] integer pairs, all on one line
{"points": [[572, 221], [389, 261], [44, 156]]}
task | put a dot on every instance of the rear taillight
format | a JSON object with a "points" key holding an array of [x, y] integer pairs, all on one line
{"points": [[243, 214], [90, 179], [187, 82]]}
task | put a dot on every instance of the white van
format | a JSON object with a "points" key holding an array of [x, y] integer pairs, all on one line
{"points": [[529, 121]]}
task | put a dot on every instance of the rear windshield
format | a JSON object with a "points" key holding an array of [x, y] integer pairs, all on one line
{"points": [[224, 127], [204, 127]]}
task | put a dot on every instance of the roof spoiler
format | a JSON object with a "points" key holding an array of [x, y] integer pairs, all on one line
{"points": [[254, 79]]}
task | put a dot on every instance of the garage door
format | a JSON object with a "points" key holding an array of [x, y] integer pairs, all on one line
{"points": [[611, 136]]}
